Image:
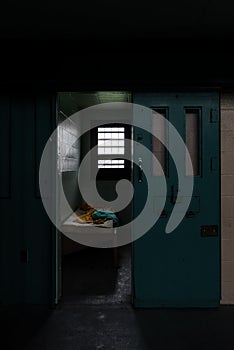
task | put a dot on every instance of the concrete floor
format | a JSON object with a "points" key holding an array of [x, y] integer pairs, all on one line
{"points": [[91, 327], [89, 319], [90, 278]]}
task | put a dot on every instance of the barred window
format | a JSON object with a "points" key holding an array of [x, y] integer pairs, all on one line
{"points": [[110, 140]]}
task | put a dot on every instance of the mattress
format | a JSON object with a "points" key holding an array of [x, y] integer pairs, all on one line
{"points": [[84, 232]]}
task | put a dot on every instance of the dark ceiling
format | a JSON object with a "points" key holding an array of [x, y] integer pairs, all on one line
{"points": [[109, 44], [110, 19]]}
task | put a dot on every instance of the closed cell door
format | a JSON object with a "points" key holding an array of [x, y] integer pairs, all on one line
{"points": [[176, 263]]}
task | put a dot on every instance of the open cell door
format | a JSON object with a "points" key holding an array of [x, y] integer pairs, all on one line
{"points": [[180, 268]]}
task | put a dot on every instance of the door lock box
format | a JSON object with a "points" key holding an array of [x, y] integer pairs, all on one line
{"points": [[209, 231]]}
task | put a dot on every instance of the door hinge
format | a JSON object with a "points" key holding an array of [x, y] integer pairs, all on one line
{"points": [[24, 256], [214, 116], [213, 164]]}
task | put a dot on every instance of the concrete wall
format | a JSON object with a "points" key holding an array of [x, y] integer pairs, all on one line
{"points": [[227, 197]]}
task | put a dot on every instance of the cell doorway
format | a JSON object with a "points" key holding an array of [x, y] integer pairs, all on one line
{"points": [[85, 274]]}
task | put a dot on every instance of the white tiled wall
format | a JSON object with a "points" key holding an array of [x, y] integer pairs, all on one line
{"points": [[227, 197], [68, 162], [68, 145]]}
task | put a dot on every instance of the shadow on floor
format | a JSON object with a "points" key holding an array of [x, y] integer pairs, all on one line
{"points": [[89, 327], [20, 324], [89, 272], [89, 277]]}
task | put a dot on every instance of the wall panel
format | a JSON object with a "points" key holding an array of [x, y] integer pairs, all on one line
{"points": [[5, 147]]}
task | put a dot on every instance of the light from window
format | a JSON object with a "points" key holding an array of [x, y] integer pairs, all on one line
{"points": [[111, 163], [111, 142]]}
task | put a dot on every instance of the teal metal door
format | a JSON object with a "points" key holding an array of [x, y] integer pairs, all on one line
{"points": [[28, 261], [181, 268]]}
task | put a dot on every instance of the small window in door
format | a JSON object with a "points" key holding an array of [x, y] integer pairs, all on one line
{"points": [[159, 117], [192, 139]]}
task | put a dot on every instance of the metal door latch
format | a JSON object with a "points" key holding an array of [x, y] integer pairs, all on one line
{"points": [[209, 231], [140, 169]]}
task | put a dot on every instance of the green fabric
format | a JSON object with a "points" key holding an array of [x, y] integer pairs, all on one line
{"points": [[105, 214]]}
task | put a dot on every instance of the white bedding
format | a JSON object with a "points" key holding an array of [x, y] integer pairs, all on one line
{"points": [[71, 226]]}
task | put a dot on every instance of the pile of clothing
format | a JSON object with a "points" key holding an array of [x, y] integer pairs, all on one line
{"points": [[96, 215]]}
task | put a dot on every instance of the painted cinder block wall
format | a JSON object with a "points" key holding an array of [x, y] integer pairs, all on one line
{"points": [[227, 196]]}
